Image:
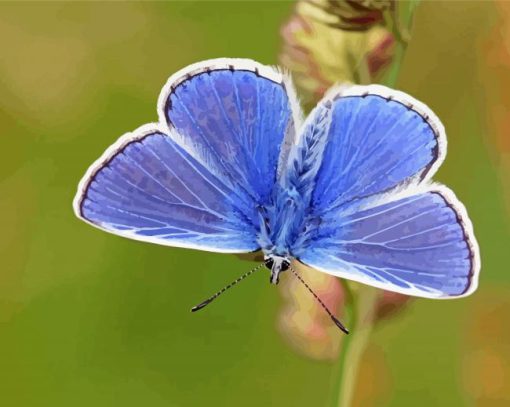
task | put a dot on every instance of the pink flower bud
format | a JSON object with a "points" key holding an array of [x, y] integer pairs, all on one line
{"points": [[307, 327]]}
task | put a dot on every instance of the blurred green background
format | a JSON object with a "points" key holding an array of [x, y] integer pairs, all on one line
{"points": [[88, 318]]}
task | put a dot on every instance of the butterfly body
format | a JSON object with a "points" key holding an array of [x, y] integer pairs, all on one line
{"points": [[293, 219], [231, 167]]}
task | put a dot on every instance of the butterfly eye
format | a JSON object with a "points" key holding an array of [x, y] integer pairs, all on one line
{"points": [[269, 263], [285, 265]]}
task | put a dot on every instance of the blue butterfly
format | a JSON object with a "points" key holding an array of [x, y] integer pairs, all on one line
{"points": [[232, 167]]}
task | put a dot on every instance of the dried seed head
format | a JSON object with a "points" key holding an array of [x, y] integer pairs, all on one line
{"points": [[352, 15], [319, 54]]}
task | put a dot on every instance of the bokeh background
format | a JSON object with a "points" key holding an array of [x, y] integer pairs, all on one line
{"points": [[88, 318]]}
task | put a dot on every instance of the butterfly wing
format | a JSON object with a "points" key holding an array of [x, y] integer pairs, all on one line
{"points": [[420, 245], [235, 115], [379, 139], [378, 221], [189, 180]]}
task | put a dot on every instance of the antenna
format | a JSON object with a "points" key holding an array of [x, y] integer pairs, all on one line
{"points": [[335, 320], [233, 283]]}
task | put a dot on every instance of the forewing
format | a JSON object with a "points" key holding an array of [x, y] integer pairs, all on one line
{"points": [[233, 115], [420, 245], [379, 140]]}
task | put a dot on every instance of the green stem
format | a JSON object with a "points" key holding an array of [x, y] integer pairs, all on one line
{"points": [[394, 69], [400, 22], [362, 310]]}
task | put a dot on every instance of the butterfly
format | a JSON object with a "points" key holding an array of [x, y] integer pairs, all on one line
{"points": [[232, 167]]}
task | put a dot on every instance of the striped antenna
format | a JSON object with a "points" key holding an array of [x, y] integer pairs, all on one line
{"points": [[335, 320], [233, 283]]}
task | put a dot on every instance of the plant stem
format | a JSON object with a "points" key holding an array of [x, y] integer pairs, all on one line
{"points": [[400, 23], [394, 69], [362, 309]]}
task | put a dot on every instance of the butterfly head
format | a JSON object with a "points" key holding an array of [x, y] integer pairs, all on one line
{"points": [[276, 264]]}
